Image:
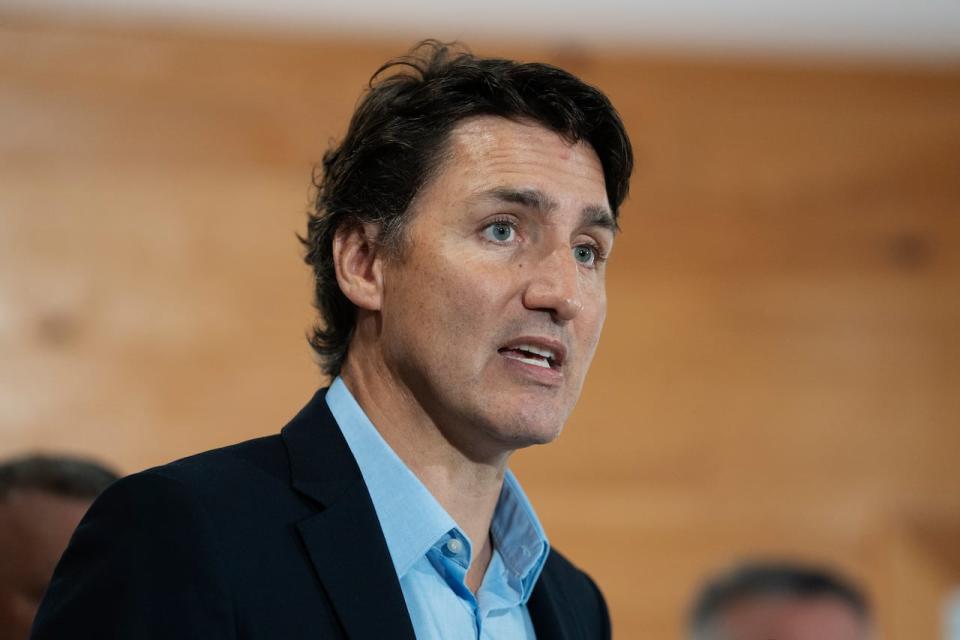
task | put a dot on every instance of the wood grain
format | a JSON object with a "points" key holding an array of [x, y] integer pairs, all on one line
{"points": [[780, 372]]}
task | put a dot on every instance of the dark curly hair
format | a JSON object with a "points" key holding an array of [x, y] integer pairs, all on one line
{"points": [[397, 140]]}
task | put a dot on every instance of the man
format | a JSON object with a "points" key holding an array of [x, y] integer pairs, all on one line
{"points": [[42, 498], [766, 601], [458, 242]]}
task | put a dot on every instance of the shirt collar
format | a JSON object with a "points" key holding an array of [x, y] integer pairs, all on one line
{"points": [[518, 534], [411, 518]]}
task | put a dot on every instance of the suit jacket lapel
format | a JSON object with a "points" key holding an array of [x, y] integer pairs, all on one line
{"points": [[550, 614], [344, 540]]}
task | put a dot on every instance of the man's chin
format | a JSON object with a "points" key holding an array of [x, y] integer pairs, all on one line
{"points": [[532, 432], [524, 443], [514, 425]]}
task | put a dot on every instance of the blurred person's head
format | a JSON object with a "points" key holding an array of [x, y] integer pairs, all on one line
{"points": [[399, 139], [779, 601], [42, 499]]}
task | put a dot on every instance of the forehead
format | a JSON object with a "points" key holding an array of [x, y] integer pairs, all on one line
{"points": [[490, 151]]}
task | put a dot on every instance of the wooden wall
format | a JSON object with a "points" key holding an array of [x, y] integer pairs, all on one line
{"points": [[780, 372]]}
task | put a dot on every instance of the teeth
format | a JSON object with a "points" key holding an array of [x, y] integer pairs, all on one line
{"points": [[546, 353], [537, 362]]}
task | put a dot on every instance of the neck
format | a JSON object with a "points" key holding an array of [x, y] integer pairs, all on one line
{"points": [[466, 485]]}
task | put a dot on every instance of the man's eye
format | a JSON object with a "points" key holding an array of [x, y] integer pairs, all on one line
{"points": [[585, 254], [499, 232]]}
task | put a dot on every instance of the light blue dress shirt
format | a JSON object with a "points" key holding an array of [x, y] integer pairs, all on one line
{"points": [[431, 553]]}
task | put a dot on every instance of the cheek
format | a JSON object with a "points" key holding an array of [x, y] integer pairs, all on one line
{"points": [[471, 316], [469, 291], [594, 316], [438, 305]]}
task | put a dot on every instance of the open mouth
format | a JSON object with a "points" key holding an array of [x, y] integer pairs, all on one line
{"points": [[535, 355]]}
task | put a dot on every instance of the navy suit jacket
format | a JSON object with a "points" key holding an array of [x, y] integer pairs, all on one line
{"points": [[275, 538]]}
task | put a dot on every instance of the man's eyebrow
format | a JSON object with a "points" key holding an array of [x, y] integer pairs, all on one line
{"points": [[592, 216], [530, 198]]}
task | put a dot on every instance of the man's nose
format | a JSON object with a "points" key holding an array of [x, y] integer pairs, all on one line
{"points": [[554, 285]]}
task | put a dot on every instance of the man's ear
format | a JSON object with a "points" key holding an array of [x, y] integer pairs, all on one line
{"points": [[359, 264]]}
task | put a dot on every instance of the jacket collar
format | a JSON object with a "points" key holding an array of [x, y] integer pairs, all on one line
{"points": [[362, 584]]}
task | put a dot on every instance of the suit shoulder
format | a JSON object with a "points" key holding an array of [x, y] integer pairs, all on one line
{"points": [[147, 544], [224, 485], [196, 488], [258, 460]]}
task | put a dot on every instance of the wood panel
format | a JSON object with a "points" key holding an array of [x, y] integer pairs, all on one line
{"points": [[781, 365]]}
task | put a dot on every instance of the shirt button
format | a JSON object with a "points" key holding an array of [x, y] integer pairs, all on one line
{"points": [[454, 546]]}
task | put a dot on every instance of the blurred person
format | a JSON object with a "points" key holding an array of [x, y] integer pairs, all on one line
{"points": [[458, 241], [42, 498], [779, 601]]}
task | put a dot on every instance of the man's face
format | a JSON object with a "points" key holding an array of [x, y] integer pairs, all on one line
{"points": [[492, 312], [786, 618], [35, 527]]}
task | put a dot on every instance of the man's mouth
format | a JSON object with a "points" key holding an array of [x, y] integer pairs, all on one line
{"points": [[536, 354]]}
